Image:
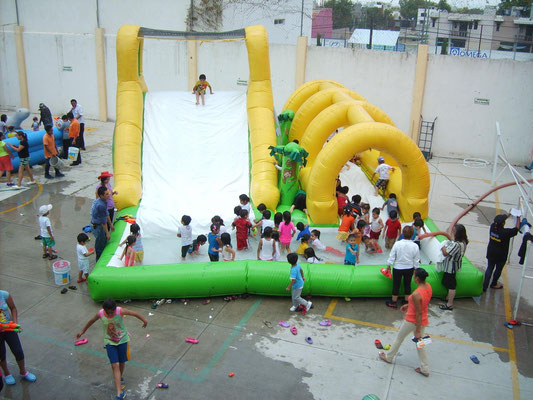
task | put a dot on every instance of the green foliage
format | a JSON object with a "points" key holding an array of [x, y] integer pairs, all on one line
{"points": [[506, 5], [443, 5], [376, 18], [466, 10], [409, 8], [342, 12]]}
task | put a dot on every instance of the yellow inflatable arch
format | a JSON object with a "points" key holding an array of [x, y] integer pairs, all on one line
{"points": [[320, 108]]}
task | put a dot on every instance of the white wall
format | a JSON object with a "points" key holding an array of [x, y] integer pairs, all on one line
{"points": [[466, 129], [384, 78], [9, 82]]}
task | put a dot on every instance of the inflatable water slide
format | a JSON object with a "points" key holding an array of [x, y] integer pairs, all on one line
{"points": [[172, 157]]}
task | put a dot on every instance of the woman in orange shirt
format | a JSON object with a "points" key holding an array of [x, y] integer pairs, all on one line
{"points": [[416, 319]]}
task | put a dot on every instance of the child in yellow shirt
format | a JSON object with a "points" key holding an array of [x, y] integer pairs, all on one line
{"points": [[200, 87]]}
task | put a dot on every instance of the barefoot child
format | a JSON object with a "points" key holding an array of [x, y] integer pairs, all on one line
{"points": [[83, 254], [314, 240], [46, 232], [200, 88], [242, 225], [5, 160], [304, 244], [185, 233], [376, 224], [275, 238], [129, 254], [304, 229], [266, 250], [297, 284], [116, 339], [214, 243], [352, 251], [391, 203], [346, 225], [311, 257], [393, 228], [228, 254], [371, 245], [286, 232], [196, 243]]}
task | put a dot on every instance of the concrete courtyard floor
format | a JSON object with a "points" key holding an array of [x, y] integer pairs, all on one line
{"points": [[268, 362]]}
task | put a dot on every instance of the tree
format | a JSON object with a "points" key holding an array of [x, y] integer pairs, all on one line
{"points": [[444, 6], [342, 12], [505, 6], [376, 18], [409, 8]]}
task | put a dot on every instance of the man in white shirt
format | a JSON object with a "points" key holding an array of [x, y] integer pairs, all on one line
{"points": [[78, 114]]}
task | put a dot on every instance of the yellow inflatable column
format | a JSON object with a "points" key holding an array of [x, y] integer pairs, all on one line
{"points": [[127, 140], [260, 105]]}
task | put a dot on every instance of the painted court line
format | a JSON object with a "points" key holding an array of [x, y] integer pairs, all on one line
{"points": [[204, 373], [26, 202], [333, 304]]}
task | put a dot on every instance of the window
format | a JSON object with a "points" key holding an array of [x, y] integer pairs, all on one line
{"points": [[498, 24], [280, 21], [433, 20], [475, 24], [455, 25], [423, 14], [470, 25]]}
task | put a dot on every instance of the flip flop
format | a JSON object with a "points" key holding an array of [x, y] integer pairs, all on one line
{"points": [[206, 302], [268, 324], [347, 299], [378, 344], [64, 290], [284, 324], [73, 288], [421, 373], [387, 347], [294, 331], [386, 272], [191, 340], [162, 385], [474, 359], [508, 325], [80, 342], [309, 340], [326, 322]]}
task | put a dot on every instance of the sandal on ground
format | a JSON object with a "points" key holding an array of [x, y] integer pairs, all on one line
{"points": [[496, 286], [45, 255], [29, 377], [383, 356], [73, 288], [268, 324], [378, 344], [52, 257], [64, 290], [284, 324], [391, 304], [445, 307], [10, 380], [421, 373]]}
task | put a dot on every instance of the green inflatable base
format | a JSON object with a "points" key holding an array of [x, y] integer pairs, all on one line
{"points": [[254, 277]]}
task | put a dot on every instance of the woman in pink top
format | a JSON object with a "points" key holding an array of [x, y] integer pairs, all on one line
{"points": [[129, 254], [416, 319], [286, 232]]}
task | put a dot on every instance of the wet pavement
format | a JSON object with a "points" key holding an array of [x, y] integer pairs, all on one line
{"points": [[243, 336]]}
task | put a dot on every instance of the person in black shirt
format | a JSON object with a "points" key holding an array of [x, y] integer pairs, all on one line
{"points": [[24, 157], [498, 249], [46, 116]]}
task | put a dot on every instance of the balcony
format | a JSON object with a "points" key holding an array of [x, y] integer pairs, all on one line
{"points": [[459, 33]]}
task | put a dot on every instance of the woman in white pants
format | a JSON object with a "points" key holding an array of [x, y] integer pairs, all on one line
{"points": [[416, 319]]}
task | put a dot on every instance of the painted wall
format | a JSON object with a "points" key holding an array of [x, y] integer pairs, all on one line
{"points": [[61, 66], [323, 23], [466, 129]]}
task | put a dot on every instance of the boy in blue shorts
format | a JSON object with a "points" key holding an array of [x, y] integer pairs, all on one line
{"points": [[116, 339], [297, 284]]}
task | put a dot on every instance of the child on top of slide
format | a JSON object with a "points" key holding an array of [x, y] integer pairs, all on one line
{"points": [[200, 87]]}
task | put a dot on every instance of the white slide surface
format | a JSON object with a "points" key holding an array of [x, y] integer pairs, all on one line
{"points": [[194, 160]]}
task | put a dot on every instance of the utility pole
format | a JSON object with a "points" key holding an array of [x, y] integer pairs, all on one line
{"points": [[371, 31], [302, 20], [480, 37]]}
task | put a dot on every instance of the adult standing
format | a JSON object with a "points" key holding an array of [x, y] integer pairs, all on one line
{"points": [[77, 111], [8, 313], [46, 116], [404, 257], [50, 150], [100, 220], [453, 253], [74, 135], [416, 319], [498, 249]]}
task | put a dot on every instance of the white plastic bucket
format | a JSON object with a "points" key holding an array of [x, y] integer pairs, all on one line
{"points": [[73, 153], [61, 272], [56, 162]]}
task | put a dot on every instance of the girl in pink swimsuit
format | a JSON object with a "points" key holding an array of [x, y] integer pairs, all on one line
{"points": [[129, 254]]}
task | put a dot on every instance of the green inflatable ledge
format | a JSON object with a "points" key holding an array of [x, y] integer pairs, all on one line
{"points": [[254, 277]]}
